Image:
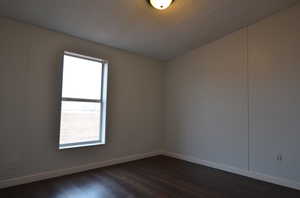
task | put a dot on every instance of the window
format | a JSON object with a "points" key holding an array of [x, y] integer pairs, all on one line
{"points": [[83, 101]]}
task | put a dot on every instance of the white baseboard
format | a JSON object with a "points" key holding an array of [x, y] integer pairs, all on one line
{"points": [[56, 173], [231, 169]]}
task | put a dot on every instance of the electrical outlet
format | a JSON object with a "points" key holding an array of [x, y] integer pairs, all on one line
{"points": [[279, 157]]}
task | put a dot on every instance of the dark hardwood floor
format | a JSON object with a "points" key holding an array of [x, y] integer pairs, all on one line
{"points": [[156, 177]]}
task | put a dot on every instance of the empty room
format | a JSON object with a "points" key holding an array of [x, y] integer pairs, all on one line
{"points": [[149, 98]]}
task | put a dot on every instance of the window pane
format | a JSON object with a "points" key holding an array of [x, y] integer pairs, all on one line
{"points": [[80, 122], [81, 78]]}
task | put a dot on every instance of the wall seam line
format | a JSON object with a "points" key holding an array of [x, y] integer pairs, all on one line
{"points": [[248, 93]]}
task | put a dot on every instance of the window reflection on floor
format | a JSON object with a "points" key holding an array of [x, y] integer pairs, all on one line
{"points": [[88, 191]]}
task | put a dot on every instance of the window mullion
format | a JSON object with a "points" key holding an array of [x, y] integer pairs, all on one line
{"points": [[81, 100]]}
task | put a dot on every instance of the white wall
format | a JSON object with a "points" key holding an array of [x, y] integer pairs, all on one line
{"points": [[236, 101], [274, 71], [30, 63], [207, 102]]}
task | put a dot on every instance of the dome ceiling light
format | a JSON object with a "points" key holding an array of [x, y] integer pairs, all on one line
{"points": [[160, 4]]}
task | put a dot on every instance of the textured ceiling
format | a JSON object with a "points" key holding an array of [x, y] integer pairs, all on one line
{"points": [[135, 26]]}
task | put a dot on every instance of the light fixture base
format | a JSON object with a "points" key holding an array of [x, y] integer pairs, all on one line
{"points": [[160, 4]]}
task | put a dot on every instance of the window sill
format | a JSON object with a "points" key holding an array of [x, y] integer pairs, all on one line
{"points": [[81, 145]]}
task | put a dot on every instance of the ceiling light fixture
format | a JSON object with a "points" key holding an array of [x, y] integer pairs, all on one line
{"points": [[160, 4]]}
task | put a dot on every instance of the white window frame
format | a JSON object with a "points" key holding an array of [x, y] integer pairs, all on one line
{"points": [[102, 101]]}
